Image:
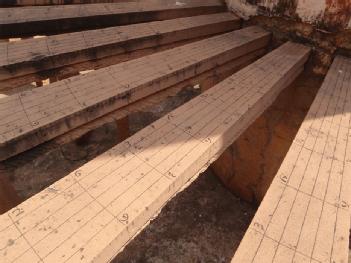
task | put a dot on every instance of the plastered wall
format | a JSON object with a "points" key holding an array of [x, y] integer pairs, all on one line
{"points": [[324, 25], [330, 15]]}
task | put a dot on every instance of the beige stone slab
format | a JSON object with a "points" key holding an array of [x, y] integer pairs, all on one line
{"points": [[309, 229], [283, 254], [93, 212], [290, 237], [341, 237], [266, 251], [281, 214], [41, 19], [324, 241], [303, 259], [64, 105], [58, 2], [306, 209], [248, 246], [35, 55]]}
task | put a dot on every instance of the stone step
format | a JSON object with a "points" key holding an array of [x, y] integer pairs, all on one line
{"points": [[37, 20], [6, 3], [35, 55], [33, 117], [89, 215], [305, 215]]}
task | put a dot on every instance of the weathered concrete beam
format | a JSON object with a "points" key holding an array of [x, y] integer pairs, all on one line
{"points": [[35, 55], [97, 209], [19, 21], [7, 3], [41, 166], [46, 112], [249, 165], [305, 215]]}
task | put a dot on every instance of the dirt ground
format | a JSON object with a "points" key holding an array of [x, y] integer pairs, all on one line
{"points": [[204, 223]]}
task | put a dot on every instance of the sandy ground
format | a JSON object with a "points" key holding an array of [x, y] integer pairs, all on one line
{"points": [[204, 223]]}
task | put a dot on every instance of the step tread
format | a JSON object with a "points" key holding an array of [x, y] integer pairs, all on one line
{"points": [[305, 215], [91, 213], [32, 117], [59, 2], [45, 13], [33, 55]]}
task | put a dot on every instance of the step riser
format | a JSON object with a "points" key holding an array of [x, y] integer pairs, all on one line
{"points": [[28, 178], [81, 115], [116, 194], [305, 214], [199, 166], [56, 2], [46, 62], [53, 24], [12, 86]]}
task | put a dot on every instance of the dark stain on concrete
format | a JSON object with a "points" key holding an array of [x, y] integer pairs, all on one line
{"points": [[204, 224], [285, 8], [253, 2], [325, 44], [249, 165], [337, 14], [335, 18], [10, 242]]}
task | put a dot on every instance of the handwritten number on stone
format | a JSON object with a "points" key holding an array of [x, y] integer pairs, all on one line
{"points": [[259, 226], [208, 140], [171, 174], [284, 178], [78, 173], [170, 116], [344, 204], [17, 212], [124, 219]]}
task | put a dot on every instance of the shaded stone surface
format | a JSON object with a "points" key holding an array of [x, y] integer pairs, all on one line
{"points": [[250, 164], [33, 170], [204, 223]]}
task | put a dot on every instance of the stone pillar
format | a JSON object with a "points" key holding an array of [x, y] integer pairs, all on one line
{"points": [[249, 165]]}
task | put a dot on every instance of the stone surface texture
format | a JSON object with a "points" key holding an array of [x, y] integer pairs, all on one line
{"points": [[94, 211]]}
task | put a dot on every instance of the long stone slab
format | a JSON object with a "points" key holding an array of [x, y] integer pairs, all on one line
{"points": [[32, 117], [92, 213], [58, 2], [17, 21], [28, 178], [305, 215], [34, 55]]}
